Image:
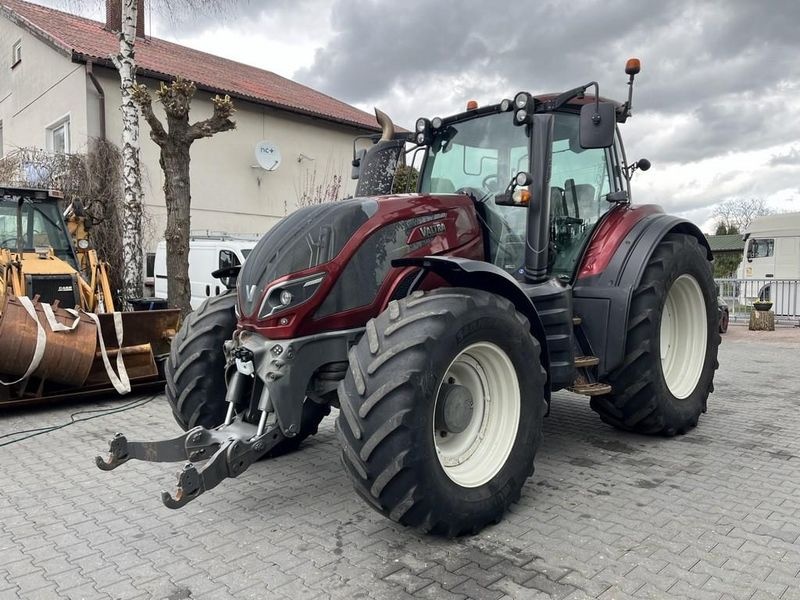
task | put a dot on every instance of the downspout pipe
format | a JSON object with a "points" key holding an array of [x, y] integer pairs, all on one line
{"points": [[101, 94]]}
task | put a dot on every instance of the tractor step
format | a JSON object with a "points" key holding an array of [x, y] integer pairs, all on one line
{"points": [[591, 389], [582, 362]]}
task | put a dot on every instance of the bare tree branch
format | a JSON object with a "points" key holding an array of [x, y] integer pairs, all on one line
{"points": [[740, 212], [142, 97], [219, 121]]}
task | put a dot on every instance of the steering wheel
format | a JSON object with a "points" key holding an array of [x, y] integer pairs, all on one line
{"points": [[7, 240], [476, 194]]}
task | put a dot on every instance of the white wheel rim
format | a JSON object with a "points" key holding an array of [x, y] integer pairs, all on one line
{"points": [[683, 336], [475, 455]]}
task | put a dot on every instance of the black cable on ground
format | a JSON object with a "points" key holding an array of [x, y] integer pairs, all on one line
{"points": [[72, 420]]}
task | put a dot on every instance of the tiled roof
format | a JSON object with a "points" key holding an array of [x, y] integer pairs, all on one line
{"points": [[85, 39], [722, 243]]}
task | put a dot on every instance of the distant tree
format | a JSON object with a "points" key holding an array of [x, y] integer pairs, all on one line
{"points": [[737, 213], [725, 229], [175, 142], [726, 263], [405, 179]]}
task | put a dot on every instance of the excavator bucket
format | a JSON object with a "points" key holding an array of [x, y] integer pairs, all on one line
{"points": [[59, 354]]}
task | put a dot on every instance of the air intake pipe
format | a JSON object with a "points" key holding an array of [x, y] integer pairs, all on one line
{"points": [[538, 233]]}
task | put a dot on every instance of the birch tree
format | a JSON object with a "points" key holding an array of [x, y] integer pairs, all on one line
{"points": [[132, 250], [175, 141]]}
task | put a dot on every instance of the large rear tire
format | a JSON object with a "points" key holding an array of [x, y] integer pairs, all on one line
{"points": [[195, 373], [441, 410], [662, 386]]}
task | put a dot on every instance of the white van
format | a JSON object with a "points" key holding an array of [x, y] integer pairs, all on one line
{"points": [[207, 253], [772, 252]]}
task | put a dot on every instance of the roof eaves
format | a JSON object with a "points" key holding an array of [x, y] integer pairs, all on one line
{"points": [[36, 31], [163, 76]]}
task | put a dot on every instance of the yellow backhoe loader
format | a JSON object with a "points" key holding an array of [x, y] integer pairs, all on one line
{"points": [[60, 335]]}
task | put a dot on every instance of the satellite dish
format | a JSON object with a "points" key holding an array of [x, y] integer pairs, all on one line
{"points": [[268, 156]]}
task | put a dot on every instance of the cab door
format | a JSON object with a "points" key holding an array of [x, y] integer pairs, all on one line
{"points": [[580, 182]]}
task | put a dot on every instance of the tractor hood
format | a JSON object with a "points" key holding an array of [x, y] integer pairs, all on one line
{"points": [[305, 239]]}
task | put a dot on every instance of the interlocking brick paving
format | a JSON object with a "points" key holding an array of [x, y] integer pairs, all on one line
{"points": [[714, 514]]}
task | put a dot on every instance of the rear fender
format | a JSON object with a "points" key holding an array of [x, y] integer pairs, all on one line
{"points": [[464, 272], [603, 300]]}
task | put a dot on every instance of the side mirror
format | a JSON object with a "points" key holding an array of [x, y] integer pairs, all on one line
{"points": [[355, 171], [597, 125]]}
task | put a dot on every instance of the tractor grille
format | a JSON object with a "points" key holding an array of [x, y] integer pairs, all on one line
{"points": [[50, 288]]}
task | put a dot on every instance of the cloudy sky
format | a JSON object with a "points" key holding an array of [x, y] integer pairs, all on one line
{"points": [[716, 107]]}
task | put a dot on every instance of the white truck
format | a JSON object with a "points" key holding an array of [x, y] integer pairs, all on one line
{"points": [[770, 268], [207, 253]]}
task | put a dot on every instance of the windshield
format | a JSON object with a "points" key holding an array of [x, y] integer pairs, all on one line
{"points": [[482, 154], [42, 226], [479, 157]]}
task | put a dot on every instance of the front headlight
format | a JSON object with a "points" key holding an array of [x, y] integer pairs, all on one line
{"points": [[289, 294]]}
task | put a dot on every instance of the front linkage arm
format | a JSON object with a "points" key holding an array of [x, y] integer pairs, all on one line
{"points": [[230, 450]]}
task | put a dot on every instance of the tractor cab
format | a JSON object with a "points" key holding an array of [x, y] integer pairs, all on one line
{"points": [[33, 220], [481, 153]]}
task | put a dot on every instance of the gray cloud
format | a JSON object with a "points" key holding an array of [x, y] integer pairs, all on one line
{"points": [[729, 65], [792, 157]]}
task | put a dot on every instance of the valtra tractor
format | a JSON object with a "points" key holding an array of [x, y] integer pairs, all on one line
{"points": [[440, 322]]}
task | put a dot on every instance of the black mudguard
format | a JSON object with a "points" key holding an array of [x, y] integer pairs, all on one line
{"points": [[603, 301], [464, 272]]}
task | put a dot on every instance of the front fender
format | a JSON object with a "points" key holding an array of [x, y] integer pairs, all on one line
{"points": [[464, 272]]}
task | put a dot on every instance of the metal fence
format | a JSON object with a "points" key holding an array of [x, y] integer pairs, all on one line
{"points": [[739, 295]]}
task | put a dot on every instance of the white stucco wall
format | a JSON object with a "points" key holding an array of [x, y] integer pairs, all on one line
{"points": [[228, 193], [45, 87]]}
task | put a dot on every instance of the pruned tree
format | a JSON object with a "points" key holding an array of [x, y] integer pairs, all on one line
{"points": [[738, 213], [132, 197], [175, 141]]}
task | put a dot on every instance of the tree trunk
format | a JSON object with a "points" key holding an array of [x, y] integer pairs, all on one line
{"points": [[762, 320], [175, 164], [132, 252]]}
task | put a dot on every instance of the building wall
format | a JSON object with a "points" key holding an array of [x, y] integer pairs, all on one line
{"points": [[45, 87], [228, 193]]}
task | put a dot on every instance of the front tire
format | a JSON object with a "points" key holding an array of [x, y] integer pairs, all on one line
{"points": [[441, 410], [671, 347], [195, 373]]}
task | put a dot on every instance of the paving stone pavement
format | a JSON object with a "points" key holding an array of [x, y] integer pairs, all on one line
{"points": [[713, 514]]}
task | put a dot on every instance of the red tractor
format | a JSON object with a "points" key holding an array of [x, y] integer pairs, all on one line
{"points": [[439, 323]]}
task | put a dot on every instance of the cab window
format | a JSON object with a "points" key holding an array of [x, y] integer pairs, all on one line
{"points": [[760, 248], [579, 185]]}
